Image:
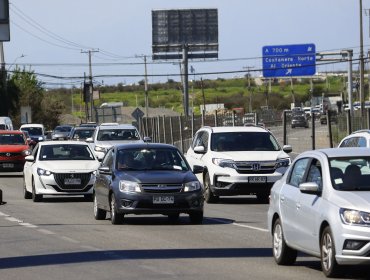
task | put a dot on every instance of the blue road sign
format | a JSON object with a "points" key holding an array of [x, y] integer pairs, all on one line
{"points": [[289, 60]]}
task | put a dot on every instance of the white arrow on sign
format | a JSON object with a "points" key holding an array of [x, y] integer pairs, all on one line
{"points": [[289, 71]]}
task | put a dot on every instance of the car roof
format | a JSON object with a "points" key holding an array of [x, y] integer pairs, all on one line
{"points": [[62, 142], [341, 152], [32, 125], [84, 128], [252, 128], [11, 132], [117, 126], [145, 145]]}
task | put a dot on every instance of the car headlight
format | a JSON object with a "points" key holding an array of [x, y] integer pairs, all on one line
{"points": [[224, 162], [100, 149], [354, 217], [285, 162], [129, 186], [43, 172], [26, 153], [192, 186]]}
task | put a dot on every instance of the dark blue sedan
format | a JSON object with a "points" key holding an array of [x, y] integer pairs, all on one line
{"points": [[147, 178]]}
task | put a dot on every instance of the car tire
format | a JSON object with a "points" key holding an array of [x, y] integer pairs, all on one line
{"points": [[329, 264], [26, 194], [196, 217], [209, 197], [99, 214], [35, 197], [283, 254], [116, 218]]}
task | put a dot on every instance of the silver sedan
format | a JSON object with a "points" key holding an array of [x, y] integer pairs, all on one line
{"points": [[321, 206]]}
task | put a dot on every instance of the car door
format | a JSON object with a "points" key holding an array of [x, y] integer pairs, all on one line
{"points": [[200, 139], [289, 196], [308, 209], [28, 168], [103, 181]]}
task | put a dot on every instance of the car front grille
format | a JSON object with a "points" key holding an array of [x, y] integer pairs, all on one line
{"points": [[162, 188], [255, 167], [7, 155], [61, 178]]}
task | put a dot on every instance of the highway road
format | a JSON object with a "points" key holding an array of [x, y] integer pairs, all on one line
{"points": [[59, 238]]}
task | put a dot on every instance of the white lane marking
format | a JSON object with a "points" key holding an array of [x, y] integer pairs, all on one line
{"points": [[92, 248], [69, 239], [236, 224], [250, 227], [28, 225], [3, 214], [12, 219], [45, 231]]}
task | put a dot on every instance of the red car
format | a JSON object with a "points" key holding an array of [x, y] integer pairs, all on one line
{"points": [[13, 149]]}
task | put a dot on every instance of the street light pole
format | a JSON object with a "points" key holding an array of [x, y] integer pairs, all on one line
{"points": [[362, 67]]}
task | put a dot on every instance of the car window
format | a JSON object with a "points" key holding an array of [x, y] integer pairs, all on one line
{"points": [[361, 142], [65, 152], [108, 159], [118, 134], [298, 172], [314, 173]]}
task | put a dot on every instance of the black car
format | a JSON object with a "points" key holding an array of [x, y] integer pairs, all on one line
{"points": [[299, 120], [81, 133], [147, 178]]}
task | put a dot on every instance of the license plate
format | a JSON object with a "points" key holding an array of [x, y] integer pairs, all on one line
{"points": [[8, 165], [163, 199], [72, 181], [257, 179]]}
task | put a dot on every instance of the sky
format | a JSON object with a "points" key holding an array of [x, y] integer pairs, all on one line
{"points": [[52, 37]]}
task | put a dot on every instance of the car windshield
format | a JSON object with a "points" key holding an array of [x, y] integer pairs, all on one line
{"points": [[350, 173], [82, 133], [243, 141], [65, 152], [33, 130], [63, 129], [117, 134], [12, 139], [151, 159]]}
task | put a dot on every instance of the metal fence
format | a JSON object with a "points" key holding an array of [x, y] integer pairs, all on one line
{"points": [[180, 130]]}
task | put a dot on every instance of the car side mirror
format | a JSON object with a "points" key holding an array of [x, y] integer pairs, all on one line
{"points": [[30, 158], [147, 139], [287, 148], [198, 169], [199, 150], [105, 170], [310, 188]]}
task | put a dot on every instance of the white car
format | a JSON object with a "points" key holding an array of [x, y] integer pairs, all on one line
{"points": [[59, 168], [238, 161], [321, 207], [360, 138], [109, 134]]}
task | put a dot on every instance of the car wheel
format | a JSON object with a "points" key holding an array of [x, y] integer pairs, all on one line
{"points": [[209, 197], [35, 197], [329, 264], [26, 194], [283, 254], [173, 218], [116, 218], [196, 217], [99, 214]]}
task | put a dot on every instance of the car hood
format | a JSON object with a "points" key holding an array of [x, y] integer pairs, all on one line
{"points": [[60, 134], [13, 148], [357, 200], [251, 155], [60, 166], [157, 176]]}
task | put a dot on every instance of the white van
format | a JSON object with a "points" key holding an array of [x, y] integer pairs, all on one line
{"points": [[6, 123], [35, 130]]}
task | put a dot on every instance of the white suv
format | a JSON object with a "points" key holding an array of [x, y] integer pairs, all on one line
{"points": [[238, 161], [108, 134], [360, 138]]}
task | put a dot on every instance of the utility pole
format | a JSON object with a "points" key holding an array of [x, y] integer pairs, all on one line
{"points": [[146, 96], [249, 87], [185, 49], [3, 89], [362, 67], [91, 83]]}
